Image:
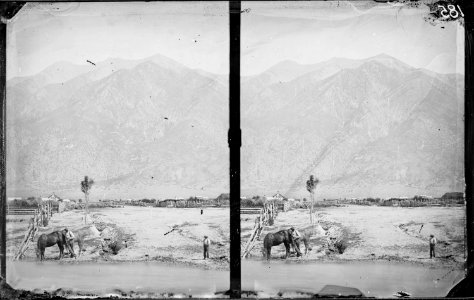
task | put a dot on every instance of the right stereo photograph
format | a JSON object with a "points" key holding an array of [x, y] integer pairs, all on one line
{"points": [[352, 168]]}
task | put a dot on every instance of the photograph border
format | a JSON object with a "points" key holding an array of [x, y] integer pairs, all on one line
{"points": [[8, 9]]}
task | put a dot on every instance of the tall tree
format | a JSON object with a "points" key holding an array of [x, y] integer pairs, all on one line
{"points": [[86, 185], [311, 186]]}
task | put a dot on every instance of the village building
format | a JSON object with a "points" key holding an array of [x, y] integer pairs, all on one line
{"points": [[279, 197], [177, 202], [51, 197], [280, 200]]}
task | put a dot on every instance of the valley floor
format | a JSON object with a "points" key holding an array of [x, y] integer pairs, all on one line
{"points": [[174, 235], [170, 235], [373, 233]]}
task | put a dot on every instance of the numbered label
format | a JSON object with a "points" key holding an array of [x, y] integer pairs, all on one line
{"points": [[450, 11]]}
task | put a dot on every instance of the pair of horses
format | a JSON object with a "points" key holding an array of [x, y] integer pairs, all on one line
{"points": [[56, 238], [285, 237]]}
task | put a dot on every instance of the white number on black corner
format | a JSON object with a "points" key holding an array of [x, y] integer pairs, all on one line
{"points": [[450, 11]]}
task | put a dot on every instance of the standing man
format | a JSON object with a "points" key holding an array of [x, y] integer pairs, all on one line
{"points": [[70, 242], [205, 244], [432, 246], [296, 240]]}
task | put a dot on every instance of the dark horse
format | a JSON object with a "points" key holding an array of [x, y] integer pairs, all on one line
{"points": [[285, 237], [274, 239], [51, 239]]}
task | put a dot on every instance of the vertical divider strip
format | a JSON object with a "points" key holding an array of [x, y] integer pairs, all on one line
{"points": [[3, 182], [234, 140], [468, 133]]}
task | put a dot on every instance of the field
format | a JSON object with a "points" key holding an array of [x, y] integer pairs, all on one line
{"points": [[374, 233], [142, 230], [174, 235]]}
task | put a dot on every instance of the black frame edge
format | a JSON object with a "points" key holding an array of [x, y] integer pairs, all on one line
{"points": [[464, 287], [3, 192], [234, 140]]}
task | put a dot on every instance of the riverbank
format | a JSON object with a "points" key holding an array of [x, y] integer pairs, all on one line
{"points": [[172, 236], [374, 233]]}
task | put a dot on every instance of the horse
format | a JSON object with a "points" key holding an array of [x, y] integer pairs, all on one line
{"points": [[51, 239], [305, 239], [275, 239], [285, 237]]}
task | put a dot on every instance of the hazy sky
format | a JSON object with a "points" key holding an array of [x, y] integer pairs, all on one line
{"points": [[196, 34], [193, 33], [311, 32]]}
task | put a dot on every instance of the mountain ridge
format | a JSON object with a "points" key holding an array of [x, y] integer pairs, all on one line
{"points": [[372, 127]]}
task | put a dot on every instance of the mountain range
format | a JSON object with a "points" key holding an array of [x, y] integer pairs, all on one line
{"points": [[156, 128]]}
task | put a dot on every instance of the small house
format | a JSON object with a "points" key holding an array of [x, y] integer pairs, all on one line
{"points": [[279, 197]]}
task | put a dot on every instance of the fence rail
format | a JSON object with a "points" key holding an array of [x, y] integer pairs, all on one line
{"points": [[28, 211], [21, 211], [256, 210]]}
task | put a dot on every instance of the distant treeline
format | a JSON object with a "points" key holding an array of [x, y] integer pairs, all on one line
{"points": [[416, 201], [189, 202], [452, 198]]}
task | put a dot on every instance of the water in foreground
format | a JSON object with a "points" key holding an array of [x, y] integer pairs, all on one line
{"points": [[373, 278], [378, 279], [114, 278]]}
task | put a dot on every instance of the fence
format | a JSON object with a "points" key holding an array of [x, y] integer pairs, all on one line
{"points": [[40, 218], [50, 209], [267, 214]]}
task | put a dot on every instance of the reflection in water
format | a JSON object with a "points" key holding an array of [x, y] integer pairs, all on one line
{"points": [[377, 279], [105, 278]]}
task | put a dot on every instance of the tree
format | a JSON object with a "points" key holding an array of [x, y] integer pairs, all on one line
{"points": [[86, 185], [311, 186]]}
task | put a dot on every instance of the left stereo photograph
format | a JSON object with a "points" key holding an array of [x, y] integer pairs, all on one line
{"points": [[117, 157]]}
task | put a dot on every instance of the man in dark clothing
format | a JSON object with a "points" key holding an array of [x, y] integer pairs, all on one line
{"points": [[205, 244], [432, 246]]}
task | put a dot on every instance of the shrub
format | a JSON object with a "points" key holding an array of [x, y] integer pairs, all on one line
{"points": [[115, 247], [340, 246], [251, 203], [387, 203]]}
